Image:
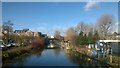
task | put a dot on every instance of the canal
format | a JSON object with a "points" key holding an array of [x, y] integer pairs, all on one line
{"points": [[56, 57]]}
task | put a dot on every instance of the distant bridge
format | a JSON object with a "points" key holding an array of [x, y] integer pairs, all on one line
{"points": [[109, 40]]}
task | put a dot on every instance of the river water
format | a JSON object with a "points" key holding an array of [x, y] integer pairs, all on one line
{"points": [[56, 57]]}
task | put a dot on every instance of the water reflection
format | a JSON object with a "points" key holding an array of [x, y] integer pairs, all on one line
{"points": [[21, 63], [57, 51], [57, 57], [83, 60], [49, 57]]}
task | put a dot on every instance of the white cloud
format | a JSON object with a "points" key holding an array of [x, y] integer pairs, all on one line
{"points": [[91, 5]]}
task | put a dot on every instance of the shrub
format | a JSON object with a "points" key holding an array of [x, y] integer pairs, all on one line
{"points": [[37, 43]]}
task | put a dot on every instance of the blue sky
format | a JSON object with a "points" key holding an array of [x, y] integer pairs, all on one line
{"points": [[47, 17]]}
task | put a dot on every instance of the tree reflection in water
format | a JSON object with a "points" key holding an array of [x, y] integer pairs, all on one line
{"points": [[21, 62], [22, 58], [57, 51], [38, 52], [82, 59]]}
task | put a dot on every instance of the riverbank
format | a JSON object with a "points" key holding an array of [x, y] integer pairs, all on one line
{"points": [[114, 60], [86, 58], [111, 60], [15, 54]]}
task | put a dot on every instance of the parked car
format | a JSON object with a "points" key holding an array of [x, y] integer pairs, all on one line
{"points": [[2, 46], [8, 45], [13, 44]]}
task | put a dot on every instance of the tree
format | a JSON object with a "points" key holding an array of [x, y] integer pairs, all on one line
{"points": [[80, 39], [89, 38], [96, 36], [104, 24], [7, 30], [8, 26], [71, 35], [85, 33], [81, 27], [37, 43], [57, 35], [85, 39], [1, 35]]}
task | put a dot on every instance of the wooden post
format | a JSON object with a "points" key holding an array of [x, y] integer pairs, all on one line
{"points": [[110, 58], [98, 54]]}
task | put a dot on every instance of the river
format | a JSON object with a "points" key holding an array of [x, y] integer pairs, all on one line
{"points": [[56, 57]]}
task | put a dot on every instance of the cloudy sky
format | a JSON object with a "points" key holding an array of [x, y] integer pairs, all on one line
{"points": [[47, 17]]}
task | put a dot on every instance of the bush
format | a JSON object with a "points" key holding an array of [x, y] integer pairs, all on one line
{"points": [[37, 43], [5, 55]]}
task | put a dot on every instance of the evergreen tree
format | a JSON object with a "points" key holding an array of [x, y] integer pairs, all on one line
{"points": [[90, 40], [96, 36], [80, 39], [85, 39]]}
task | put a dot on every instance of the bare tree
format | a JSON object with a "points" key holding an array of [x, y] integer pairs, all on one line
{"points": [[88, 28], [104, 24], [1, 32], [85, 28], [71, 35], [57, 34], [8, 26], [7, 30], [81, 27]]}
